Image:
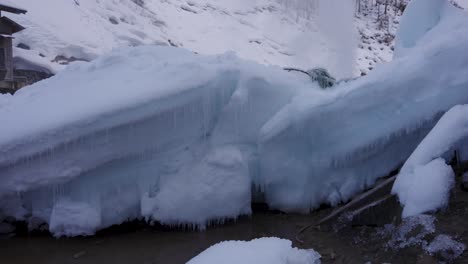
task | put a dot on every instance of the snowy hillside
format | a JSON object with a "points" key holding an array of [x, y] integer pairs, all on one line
{"points": [[297, 33], [266, 31]]}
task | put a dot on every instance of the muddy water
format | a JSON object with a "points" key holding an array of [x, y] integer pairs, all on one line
{"points": [[141, 244], [145, 245]]}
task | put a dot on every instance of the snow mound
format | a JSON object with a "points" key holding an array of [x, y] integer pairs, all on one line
{"points": [[425, 180], [427, 188], [257, 251]]}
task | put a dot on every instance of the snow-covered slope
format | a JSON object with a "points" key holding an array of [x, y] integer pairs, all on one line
{"points": [[266, 31], [298, 33]]}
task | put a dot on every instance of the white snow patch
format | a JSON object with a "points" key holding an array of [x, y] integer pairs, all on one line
{"points": [[257, 251], [426, 189], [446, 247]]}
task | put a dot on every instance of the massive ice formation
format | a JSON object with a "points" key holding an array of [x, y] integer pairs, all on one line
{"points": [[170, 136]]}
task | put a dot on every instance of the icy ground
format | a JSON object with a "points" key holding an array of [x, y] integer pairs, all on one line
{"points": [[167, 135], [258, 251], [418, 231]]}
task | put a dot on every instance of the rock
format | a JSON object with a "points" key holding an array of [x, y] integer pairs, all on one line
{"points": [[465, 181], [6, 228], [113, 20], [23, 46], [79, 254], [35, 223]]}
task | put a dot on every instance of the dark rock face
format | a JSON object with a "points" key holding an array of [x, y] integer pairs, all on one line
{"points": [[66, 60], [28, 77], [23, 46]]}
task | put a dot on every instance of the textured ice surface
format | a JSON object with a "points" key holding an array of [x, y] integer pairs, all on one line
{"points": [[167, 135], [257, 251], [70, 218]]}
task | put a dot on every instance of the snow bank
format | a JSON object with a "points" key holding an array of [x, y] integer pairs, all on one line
{"points": [[257, 251], [425, 181], [426, 189], [164, 134]]}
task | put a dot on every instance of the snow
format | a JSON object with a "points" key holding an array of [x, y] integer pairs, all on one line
{"points": [[31, 60], [11, 4], [425, 181], [445, 246], [171, 136], [263, 30], [463, 3], [420, 17], [257, 251], [347, 141], [426, 189]]}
